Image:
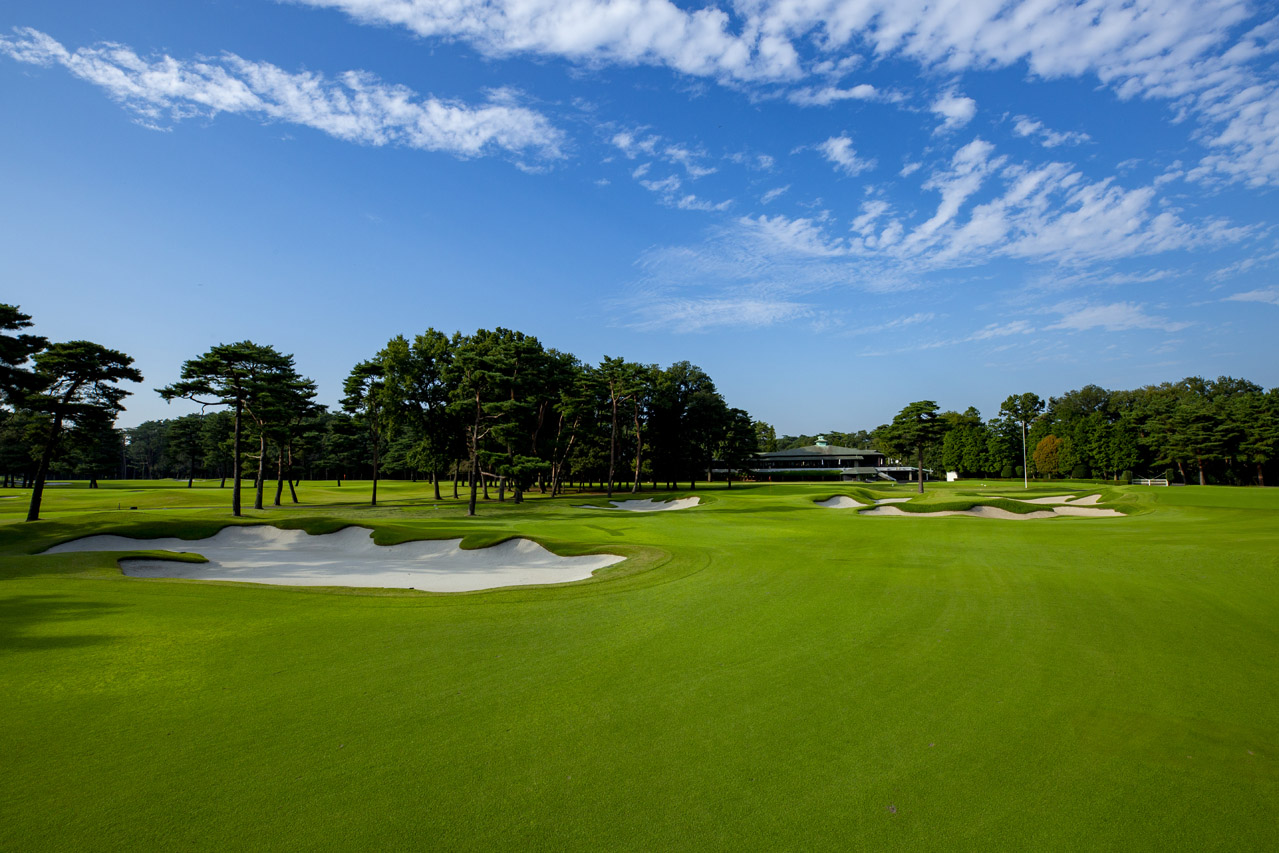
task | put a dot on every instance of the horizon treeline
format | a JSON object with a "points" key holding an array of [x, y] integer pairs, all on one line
{"points": [[495, 409], [498, 411], [1219, 431]]}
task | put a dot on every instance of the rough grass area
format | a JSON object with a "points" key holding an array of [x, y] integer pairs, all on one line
{"points": [[761, 674]]}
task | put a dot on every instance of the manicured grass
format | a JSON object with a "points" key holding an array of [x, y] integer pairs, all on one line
{"points": [[762, 674]]}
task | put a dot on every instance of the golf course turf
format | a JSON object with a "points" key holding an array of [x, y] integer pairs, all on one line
{"points": [[761, 673]]}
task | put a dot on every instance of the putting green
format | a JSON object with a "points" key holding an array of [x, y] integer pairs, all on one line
{"points": [[761, 673]]}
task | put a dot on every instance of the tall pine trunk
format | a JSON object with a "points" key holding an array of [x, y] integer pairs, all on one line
{"points": [[260, 482], [279, 475], [42, 471], [470, 510], [236, 471]]}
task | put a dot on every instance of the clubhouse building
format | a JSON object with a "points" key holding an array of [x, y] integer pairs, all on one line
{"points": [[822, 460]]}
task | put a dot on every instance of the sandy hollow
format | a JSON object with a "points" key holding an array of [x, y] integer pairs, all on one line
{"points": [[1088, 500], [349, 557], [649, 505], [838, 502], [996, 512]]}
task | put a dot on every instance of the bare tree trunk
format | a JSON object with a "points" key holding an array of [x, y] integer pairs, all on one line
{"points": [[612, 448], [920, 468], [639, 448], [261, 479], [474, 473], [1202, 481], [457, 474], [236, 473], [42, 472], [279, 475], [435, 478], [377, 442]]}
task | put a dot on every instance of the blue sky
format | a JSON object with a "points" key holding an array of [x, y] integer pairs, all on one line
{"points": [[835, 207]]}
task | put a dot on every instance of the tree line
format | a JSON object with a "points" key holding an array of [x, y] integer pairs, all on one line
{"points": [[495, 410], [1218, 431], [498, 411]]}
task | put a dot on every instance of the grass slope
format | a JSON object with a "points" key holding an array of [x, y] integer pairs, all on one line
{"points": [[762, 674]]}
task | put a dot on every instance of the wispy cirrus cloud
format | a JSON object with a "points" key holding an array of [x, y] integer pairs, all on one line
{"points": [[1044, 213], [703, 314], [1188, 53], [354, 106], [1112, 317], [1034, 129], [1266, 295]]}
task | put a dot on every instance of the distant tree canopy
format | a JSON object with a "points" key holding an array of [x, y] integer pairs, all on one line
{"points": [[498, 411]]}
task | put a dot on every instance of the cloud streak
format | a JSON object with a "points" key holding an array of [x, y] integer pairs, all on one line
{"points": [[355, 106], [1184, 52]]}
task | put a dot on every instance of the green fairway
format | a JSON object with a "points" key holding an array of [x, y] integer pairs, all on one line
{"points": [[761, 674]]}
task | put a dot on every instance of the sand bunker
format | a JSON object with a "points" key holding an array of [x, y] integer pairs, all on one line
{"points": [[649, 505], [838, 502], [996, 512], [1073, 500], [261, 554], [845, 502]]}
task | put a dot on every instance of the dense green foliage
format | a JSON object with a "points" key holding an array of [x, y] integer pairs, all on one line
{"points": [[762, 674]]}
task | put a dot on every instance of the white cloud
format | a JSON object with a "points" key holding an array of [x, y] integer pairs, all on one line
{"points": [[356, 106], [839, 151], [1028, 127], [689, 160], [636, 32], [692, 202], [827, 95], [1115, 317], [632, 145], [1268, 295], [698, 315], [955, 111], [1001, 330], [803, 237], [1046, 213], [1186, 52], [665, 185], [773, 194]]}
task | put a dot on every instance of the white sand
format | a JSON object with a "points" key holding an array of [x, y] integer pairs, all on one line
{"points": [[996, 512], [649, 505], [1057, 499], [892, 500], [838, 502], [262, 554]]}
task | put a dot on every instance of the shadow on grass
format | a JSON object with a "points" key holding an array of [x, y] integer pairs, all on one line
{"points": [[24, 618]]}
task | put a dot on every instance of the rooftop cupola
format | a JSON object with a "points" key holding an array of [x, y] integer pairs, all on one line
{"points": [[821, 441]]}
